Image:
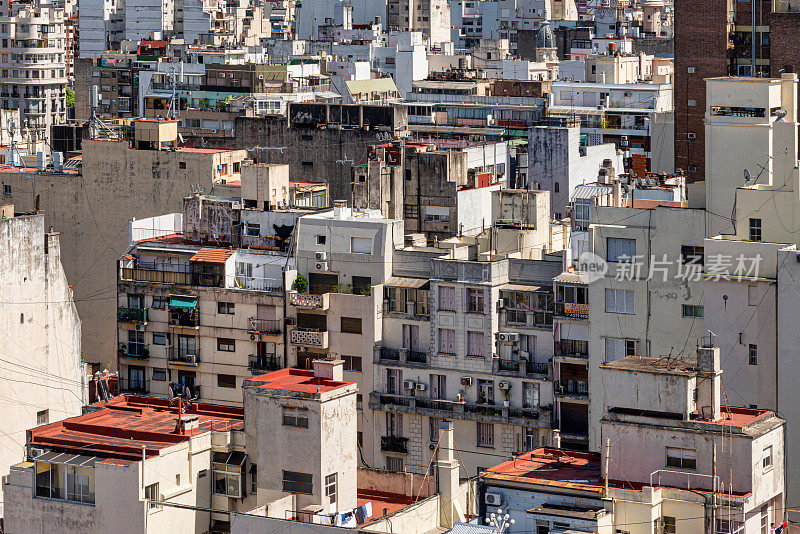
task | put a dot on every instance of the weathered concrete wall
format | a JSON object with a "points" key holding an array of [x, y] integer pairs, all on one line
{"points": [[40, 350], [92, 212]]}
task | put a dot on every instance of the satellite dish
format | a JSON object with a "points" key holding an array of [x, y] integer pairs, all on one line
{"points": [[746, 176], [780, 113]]}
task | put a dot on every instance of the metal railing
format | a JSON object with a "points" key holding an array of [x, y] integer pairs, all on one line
{"points": [[394, 444], [390, 354], [264, 326], [262, 364], [304, 300], [416, 356], [184, 317], [134, 350], [508, 365], [573, 387], [131, 315], [134, 386], [536, 368], [183, 356]]}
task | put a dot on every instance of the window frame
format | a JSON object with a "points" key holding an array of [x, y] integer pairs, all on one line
{"points": [[331, 484], [225, 344], [485, 435], [294, 417], [618, 241], [225, 383], [752, 353], [755, 228]]}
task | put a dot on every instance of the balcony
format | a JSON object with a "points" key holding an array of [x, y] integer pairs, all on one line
{"points": [[305, 300], [262, 364], [179, 356], [511, 366], [416, 356], [131, 315], [448, 409], [136, 351], [536, 368], [264, 326], [390, 354], [309, 337], [187, 318], [573, 388], [126, 385], [394, 444], [157, 276]]}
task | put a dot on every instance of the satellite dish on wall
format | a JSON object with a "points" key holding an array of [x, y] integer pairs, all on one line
{"points": [[746, 176]]}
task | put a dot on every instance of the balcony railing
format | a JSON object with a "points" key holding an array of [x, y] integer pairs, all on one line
{"points": [[131, 315], [536, 368], [304, 300], [573, 387], [416, 356], [530, 318], [309, 337], [185, 317], [508, 365], [264, 326], [457, 409], [183, 356], [394, 444], [139, 351], [155, 276], [262, 364], [390, 354], [134, 386]]}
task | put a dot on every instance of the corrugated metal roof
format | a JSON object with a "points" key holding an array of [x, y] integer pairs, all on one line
{"points": [[402, 281], [590, 191], [467, 528], [573, 277]]}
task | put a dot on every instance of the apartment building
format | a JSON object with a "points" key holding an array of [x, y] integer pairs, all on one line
{"points": [[33, 66], [650, 290], [635, 117], [42, 374], [672, 463], [431, 17], [477, 355]]}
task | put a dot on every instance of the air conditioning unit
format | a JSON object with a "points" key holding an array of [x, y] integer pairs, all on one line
{"points": [[493, 499], [321, 256], [466, 380], [524, 354], [35, 452], [502, 337], [260, 76], [408, 384], [138, 327], [508, 337], [504, 385], [421, 386], [321, 266]]}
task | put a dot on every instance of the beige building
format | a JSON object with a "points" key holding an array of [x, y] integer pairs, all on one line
{"points": [[619, 69], [477, 355], [675, 460], [652, 289], [94, 204], [42, 374], [431, 17]]}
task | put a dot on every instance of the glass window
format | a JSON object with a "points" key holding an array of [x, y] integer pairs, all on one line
{"points": [[159, 303], [352, 363], [159, 374], [475, 300], [447, 341], [226, 345], [295, 417], [295, 482], [485, 392], [226, 381], [151, 494], [681, 458], [350, 325], [159, 338], [474, 343], [621, 250], [766, 458], [226, 482], [530, 395], [752, 351], [755, 229], [226, 308], [330, 487], [692, 311]]}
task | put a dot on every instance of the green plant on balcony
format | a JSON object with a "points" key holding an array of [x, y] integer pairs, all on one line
{"points": [[506, 395], [342, 288], [367, 291], [300, 283]]}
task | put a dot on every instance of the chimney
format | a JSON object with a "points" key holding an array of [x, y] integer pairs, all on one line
{"points": [[447, 471], [709, 382], [617, 194], [340, 209], [329, 369], [556, 438]]}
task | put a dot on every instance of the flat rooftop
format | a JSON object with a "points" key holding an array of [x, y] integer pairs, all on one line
{"points": [[120, 428], [661, 366], [298, 381], [552, 467]]}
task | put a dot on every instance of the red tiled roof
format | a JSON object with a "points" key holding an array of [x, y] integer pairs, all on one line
{"points": [[299, 380], [121, 427], [212, 255]]}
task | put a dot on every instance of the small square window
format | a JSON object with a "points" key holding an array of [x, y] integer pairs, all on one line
{"points": [[6, 189], [159, 338], [755, 229], [226, 308], [159, 374], [43, 417], [159, 303], [226, 345], [321, 239], [226, 381], [181, 164]]}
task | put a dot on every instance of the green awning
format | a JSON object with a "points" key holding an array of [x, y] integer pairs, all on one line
{"points": [[182, 302]]}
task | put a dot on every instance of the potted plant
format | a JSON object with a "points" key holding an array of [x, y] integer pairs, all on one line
{"points": [[300, 283], [506, 396]]}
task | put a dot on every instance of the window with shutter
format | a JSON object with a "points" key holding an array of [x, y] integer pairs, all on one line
{"points": [[620, 250], [620, 301]]}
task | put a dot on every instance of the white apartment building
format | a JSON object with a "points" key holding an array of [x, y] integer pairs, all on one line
{"points": [[652, 289], [635, 117], [478, 355], [42, 373], [33, 66]]}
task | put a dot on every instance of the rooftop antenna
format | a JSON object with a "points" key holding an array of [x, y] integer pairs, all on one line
{"points": [[95, 122]]}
